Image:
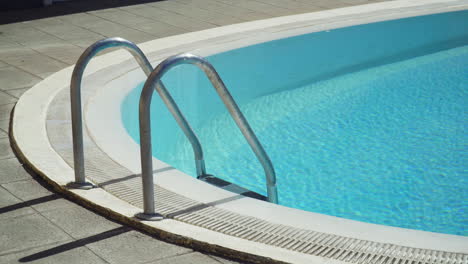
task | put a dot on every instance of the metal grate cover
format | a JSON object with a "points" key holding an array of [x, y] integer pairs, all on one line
{"points": [[127, 186]]}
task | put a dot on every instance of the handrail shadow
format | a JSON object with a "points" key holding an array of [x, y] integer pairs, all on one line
{"points": [[201, 206], [75, 244], [132, 176], [31, 202]]}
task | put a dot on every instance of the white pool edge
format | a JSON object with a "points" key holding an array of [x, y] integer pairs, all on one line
{"points": [[31, 138]]}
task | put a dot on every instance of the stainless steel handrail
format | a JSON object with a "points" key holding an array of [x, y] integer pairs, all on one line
{"points": [[236, 114], [75, 97]]}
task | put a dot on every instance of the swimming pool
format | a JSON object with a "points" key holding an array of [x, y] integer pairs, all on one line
{"points": [[360, 128], [199, 214]]}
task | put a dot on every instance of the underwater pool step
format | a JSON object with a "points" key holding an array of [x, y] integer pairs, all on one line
{"points": [[232, 187]]}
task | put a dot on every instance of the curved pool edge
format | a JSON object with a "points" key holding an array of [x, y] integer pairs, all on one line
{"points": [[44, 159], [56, 173], [168, 230], [171, 231]]}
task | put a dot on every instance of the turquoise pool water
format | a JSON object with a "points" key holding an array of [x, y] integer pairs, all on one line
{"points": [[370, 133]]}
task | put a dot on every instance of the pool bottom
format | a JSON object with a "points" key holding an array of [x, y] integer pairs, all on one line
{"points": [[384, 146]]}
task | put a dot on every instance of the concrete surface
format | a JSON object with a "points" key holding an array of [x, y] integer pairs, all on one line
{"points": [[39, 226]]}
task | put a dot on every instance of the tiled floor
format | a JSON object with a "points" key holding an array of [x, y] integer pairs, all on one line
{"points": [[39, 226]]}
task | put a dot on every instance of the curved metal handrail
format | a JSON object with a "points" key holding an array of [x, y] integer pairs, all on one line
{"points": [[236, 114], [75, 97]]}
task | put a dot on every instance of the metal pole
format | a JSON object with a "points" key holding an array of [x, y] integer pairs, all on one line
{"points": [[149, 213], [76, 110], [185, 126], [75, 97], [236, 114]]}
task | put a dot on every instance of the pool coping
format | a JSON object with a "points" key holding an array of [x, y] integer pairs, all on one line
{"points": [[32, 111]]}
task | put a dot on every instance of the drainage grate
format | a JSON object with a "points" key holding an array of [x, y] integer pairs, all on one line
{"points": [[126, 186]]}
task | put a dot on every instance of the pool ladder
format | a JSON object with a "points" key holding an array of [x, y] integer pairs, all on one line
{"points": [[153, 82]]}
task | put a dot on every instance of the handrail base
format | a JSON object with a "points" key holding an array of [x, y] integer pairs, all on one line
{"points": [[81, 186], [153, 83], [149, 217], [232, 187]]}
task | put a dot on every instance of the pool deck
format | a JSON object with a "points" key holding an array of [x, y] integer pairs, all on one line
{"points": [[42, 226]]}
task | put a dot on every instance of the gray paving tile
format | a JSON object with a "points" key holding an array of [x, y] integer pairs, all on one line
{"points": [[28, 37], [133, 35], [23, 33], [43, 22], [13, 78], [7, 44], [225, 261], [120, 17], [159, 29], [110, 29], [15, 54], [27, 231], [132, 7], [84, 20], [5, 150], [5, 111], [43, 42], [3, 134], [311, 8], [84, 43], [10, 206], [286, 4], [2, 64], [9, 27], [66, 53], [56, 253], [260, 7], [68, 31], [38, 197], [6, 98], [326, 4], [255, 16], [4, 125], [33, 57], [356, 2], [219, 7], [104, 27], [198, 13], [40, 65], [17, 92], [79, 222], [26, 189], [190, 258], [11, 170], [54, 202], [135, 247], [140, 23], [171, 18], [136, 22]]}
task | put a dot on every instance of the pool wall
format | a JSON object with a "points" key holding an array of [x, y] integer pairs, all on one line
{"points": [[265, 68]]}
